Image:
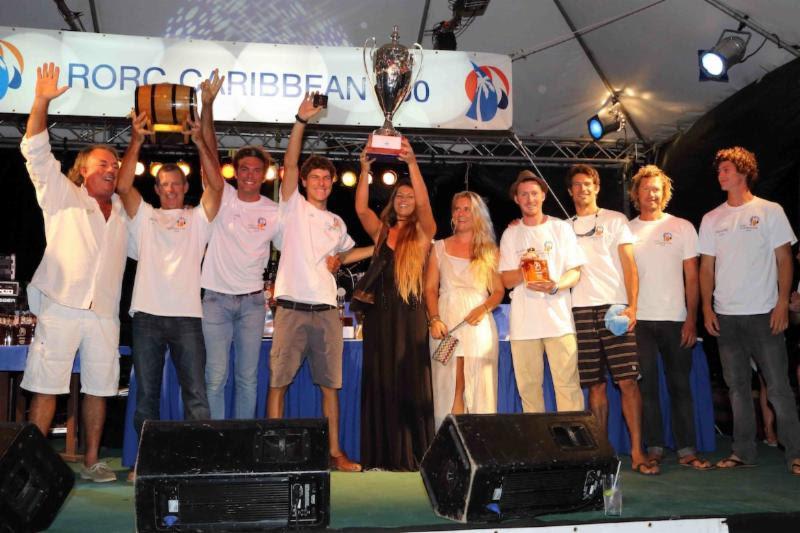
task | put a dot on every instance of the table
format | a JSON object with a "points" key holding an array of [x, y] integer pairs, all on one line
{"points": [[303, 400], [12, 361]]}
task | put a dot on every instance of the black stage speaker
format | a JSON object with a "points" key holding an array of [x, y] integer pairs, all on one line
{"points": [[221, 475], [497, 467], [34, 480]]}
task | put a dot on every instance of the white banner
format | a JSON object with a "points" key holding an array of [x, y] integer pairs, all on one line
{"points": [[263, 82]]}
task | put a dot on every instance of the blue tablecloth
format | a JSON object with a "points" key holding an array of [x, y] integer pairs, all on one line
{"points": [[303, 400]]}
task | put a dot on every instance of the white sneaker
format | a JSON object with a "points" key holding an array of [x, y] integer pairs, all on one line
{"points": [[98, 472]]}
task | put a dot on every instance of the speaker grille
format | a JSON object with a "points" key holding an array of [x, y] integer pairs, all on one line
{"points": [[243, 502], [542, 489]]}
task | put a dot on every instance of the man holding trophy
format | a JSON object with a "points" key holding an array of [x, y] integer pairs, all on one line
{"points": [[541, 316]]}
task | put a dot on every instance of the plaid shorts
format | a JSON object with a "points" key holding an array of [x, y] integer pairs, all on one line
{"points": [[598, 348]]}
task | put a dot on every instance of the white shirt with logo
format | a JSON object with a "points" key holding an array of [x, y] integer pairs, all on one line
{"points": [[169, 246], [660, 249], [536, 315], [310, 235], [84, 259], [743, 240], [602, 281], [238, 250]]}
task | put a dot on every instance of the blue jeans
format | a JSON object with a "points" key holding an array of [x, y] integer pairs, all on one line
{"points": [[152, 335], [226, 318], [652, 337], [742, 337]]}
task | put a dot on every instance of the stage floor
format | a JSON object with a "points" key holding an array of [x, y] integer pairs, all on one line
{"points": [[398, 500]]}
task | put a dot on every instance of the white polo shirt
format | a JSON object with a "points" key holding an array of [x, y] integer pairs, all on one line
{"points": [[743, 240], [310, 235], [661, 247], [602, 281], [169, 246], [84, 258], [536, 315], [238, 250]]}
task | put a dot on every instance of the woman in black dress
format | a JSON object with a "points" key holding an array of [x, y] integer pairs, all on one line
{"points": [[396, 398]]}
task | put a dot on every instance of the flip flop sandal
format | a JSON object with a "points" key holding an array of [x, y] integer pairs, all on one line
{"points": [[735, 462], [698, 464], [640, 469], [796, 468]]}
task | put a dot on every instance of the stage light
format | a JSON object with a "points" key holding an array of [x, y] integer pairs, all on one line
{"points": [[607, 120], [154, 168], [272, 172], [228, 171], [729, 51], [349, 178], [185, 168], [139, 168], [389, 177]]}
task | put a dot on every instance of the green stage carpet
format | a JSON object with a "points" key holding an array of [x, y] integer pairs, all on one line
{"points": [[398, 500]]}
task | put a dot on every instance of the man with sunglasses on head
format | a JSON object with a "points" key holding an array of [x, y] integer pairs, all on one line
{"points": [[609, 277]]}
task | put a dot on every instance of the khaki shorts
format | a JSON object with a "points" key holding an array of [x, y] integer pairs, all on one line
{"points": [[60, 333], [300, 334]]}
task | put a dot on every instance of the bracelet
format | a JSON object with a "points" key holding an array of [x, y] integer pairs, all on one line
{"points": [[554, 291], [486, 308], [433, 319], [300, 120]]}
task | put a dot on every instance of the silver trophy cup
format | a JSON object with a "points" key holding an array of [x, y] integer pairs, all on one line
{"points": [[391, 77]]}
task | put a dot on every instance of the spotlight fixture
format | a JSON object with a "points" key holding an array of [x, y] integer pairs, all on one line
{"points": [[139, 168], [389, 177], [185, 167], [369, 178], [729, 51], [349, 178], [227, 171], [607, 120], [272, 172], [154, 168]]}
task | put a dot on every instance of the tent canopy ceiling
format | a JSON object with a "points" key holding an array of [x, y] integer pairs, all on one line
{"points": [[650, 56]]}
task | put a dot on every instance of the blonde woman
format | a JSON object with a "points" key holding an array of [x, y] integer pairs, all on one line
{"points": [[396, 397], [462, 284]]}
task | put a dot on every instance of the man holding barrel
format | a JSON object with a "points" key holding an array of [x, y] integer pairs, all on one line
{"points": [[169, 243]]}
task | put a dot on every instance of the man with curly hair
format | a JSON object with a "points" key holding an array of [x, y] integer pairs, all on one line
{"points": [[745, 278]]}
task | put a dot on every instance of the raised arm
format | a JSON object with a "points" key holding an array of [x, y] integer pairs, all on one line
{"points": [[423, 202], [369, 220], [212, 194], [291, 168], [47, 90], [208, 94], [129, 195]]}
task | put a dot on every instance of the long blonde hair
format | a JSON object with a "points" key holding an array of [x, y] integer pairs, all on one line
{"points": [[483, 252], [410, 249]]}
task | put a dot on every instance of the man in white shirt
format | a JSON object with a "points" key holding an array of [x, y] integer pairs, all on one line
{"points": [[232, 277], [609, 277], [76, 288], [307, 320], [168, 243], [666, 314], [541, 317], [745, 281]]}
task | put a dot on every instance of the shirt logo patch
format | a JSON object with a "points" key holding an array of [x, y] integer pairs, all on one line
{"points": [[754, 220], [334, 226], [180, 223], [599, 231], [262, 223], [548, 246], [667, 236]]}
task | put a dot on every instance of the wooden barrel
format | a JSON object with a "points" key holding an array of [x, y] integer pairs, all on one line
{"points": [[167, 105]]}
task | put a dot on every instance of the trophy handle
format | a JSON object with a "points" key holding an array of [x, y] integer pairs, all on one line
{"points": [[419, 48], [367, 70]]}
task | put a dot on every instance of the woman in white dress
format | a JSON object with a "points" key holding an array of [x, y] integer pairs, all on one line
{"points": [[462, 283]]}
